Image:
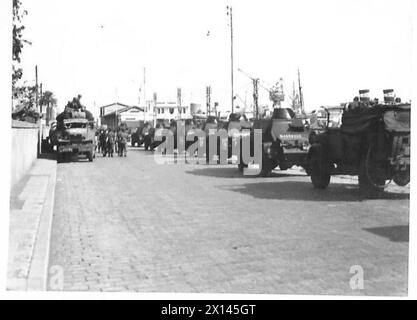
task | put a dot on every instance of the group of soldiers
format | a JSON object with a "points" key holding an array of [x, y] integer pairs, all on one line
{"points": [[110, 142]]}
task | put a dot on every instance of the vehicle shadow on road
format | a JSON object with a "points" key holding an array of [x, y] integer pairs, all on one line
{"points": [[393, 233], [304, 191], [233, 172]]}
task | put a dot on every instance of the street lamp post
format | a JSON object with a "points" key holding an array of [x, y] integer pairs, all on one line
{"points": [[230, 14]]}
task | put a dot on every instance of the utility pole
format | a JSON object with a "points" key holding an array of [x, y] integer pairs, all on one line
{"points": [[255, 97], [179, 102], [37, 109], [145, 103], [155, 100], [230, 13], [144, 86], [40, 98], [94, 112], [208, 100], [300, 92], [36, 87]]}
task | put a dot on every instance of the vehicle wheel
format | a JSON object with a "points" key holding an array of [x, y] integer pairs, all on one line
{"points": [[320, 177]]}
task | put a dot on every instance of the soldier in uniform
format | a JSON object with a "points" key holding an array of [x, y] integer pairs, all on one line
{"points": [[77, 102], [355, 104], [110, 143], [102, 142], [122, 140]]}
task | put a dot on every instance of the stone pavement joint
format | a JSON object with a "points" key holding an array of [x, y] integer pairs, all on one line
{"points": [[30, 227], [128, 224]]}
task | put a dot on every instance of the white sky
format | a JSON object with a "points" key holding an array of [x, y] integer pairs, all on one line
{"points": [[99, 47]]}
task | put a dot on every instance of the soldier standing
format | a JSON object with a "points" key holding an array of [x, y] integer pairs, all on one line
{"points": [[118, 139], [110, 143], [102, 142], [122, 143]]}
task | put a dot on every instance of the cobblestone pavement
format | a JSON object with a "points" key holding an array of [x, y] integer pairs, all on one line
{"points": [[130, 224]]}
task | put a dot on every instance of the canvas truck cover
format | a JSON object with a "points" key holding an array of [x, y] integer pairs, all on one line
{"points": [[360, 121], [396, 119]]}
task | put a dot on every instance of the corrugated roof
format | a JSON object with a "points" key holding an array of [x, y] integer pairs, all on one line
{"points": [[122, 110], [115, 103]]}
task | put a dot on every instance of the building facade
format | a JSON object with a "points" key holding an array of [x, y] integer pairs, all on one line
{"points": [[170, 110], [114, 115]]}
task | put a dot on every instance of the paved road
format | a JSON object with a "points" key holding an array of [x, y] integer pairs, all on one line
{"points": [[130, 224]]}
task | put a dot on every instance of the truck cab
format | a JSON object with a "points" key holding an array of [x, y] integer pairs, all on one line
{"points": [[75, 136]]}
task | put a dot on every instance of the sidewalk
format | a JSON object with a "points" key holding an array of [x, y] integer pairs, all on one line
{"points": [[31, 209]]}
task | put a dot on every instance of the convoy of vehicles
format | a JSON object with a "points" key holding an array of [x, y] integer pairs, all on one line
{"points": [[364, 138]]}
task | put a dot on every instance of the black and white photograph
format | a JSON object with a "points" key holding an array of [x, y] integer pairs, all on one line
{"points": [[209, 147]]}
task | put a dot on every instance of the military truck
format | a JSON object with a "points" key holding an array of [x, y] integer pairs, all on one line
{"points": [[137, 137], [373, 143], [73, 134], [285, 141], [148, 133]]}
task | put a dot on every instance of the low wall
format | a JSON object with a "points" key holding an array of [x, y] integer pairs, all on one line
{"points": [[25, 138]]}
